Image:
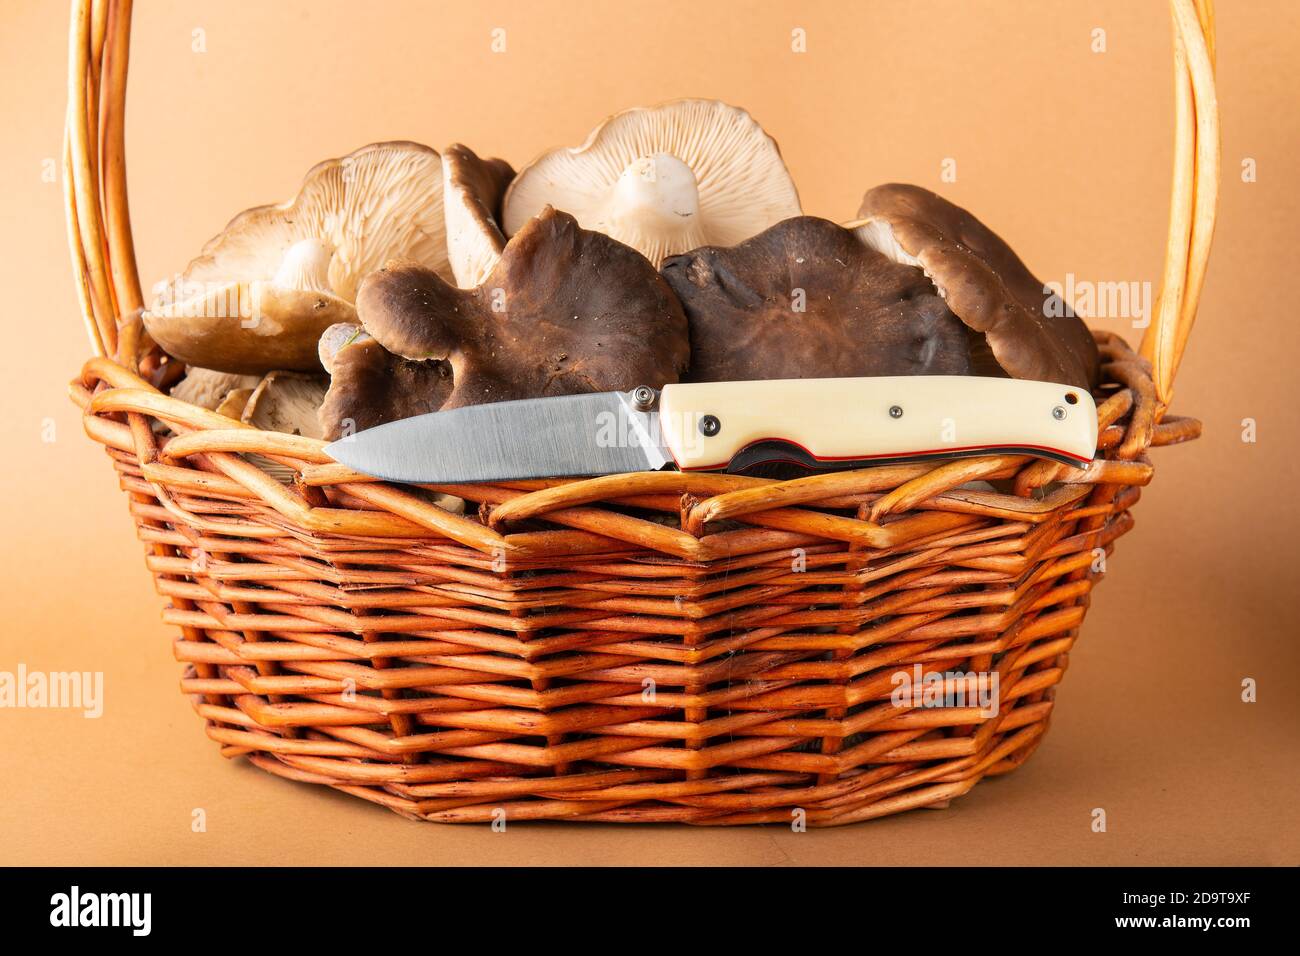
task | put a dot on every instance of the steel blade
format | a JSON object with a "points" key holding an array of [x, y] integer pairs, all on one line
{"points": [[602, 433]]}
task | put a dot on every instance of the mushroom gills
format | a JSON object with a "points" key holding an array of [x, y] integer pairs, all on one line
{"points": [[208, 388], [663, 179], [262, 291], [284, 402]]}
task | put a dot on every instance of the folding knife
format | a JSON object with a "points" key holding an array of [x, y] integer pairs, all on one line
{"points": [[828, 424]]}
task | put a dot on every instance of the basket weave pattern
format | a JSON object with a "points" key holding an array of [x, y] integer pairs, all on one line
{"points": [[698, 648]]}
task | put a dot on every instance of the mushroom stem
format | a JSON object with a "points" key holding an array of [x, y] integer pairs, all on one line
{"points": [[305, 266], [658, 190]]}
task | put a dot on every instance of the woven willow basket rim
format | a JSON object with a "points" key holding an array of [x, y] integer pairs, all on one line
{"points": [[344, 631]]}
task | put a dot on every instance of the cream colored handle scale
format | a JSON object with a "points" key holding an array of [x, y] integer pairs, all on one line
{"points": [[842, 422]]}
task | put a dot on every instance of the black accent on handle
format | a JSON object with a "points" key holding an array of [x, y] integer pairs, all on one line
{"points": [[769, 451]]}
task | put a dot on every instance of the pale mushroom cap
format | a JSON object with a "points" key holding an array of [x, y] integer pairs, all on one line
{"points": [[380, 202], [233, 405], [208, 388], [261, 292], [287, 402], [664, 179], [284, 402]]}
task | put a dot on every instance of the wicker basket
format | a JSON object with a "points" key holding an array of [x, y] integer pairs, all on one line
{"points": [[705, 649]]}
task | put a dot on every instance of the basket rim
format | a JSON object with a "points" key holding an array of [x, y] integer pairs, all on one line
{"points": [[119, 409]]}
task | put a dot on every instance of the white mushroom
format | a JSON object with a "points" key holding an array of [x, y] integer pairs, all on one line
{"points": [[287, 402], [263, 291], [284, 402], [210, 389], [664, 180], [233, 405]]}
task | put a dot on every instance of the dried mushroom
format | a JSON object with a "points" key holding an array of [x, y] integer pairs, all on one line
{"points": [[263, 291], [472, 192], [806, 299], [664, 179], [369, 385], [564, 311], [983, 281]]}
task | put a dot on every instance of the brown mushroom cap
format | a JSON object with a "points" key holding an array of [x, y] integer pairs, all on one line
{"points": [[564, 311], [982, 280], [369, 385], [261, 293], [472, 193], [861, 313]]}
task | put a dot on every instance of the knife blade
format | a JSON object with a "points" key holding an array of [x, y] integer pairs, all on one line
{"points": [[818, 423]]}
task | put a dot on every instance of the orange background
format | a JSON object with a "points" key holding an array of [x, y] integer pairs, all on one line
{"points": [[1064, 151]]}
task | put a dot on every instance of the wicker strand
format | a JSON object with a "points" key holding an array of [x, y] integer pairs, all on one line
{"points": [[88, 255], [121, 246], [1194, 194]]}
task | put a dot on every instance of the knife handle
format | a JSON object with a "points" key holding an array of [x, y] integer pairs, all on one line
{"points": [[841, 422]]}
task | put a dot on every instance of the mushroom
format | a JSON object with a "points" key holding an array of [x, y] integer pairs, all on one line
{"points": [[286, 402], [233, 405], [472, 193], [663, 179], [806, 299], [564, 311], [369, 385], [983, 281], [263, 291], [282, 402], [211, 389]]}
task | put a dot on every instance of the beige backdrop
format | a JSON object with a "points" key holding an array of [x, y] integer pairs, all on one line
{"points": [[1064, 150]]}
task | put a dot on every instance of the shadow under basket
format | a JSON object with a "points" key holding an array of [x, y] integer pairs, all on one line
{"points": [[656, 647]]}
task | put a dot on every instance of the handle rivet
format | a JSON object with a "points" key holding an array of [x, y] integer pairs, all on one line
{"points": [[1058, 413], [643, 397], [895, 411], [710, 426]]}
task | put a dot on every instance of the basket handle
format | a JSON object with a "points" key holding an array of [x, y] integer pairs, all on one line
{"points": [[103, 254], [1194, 196]]}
